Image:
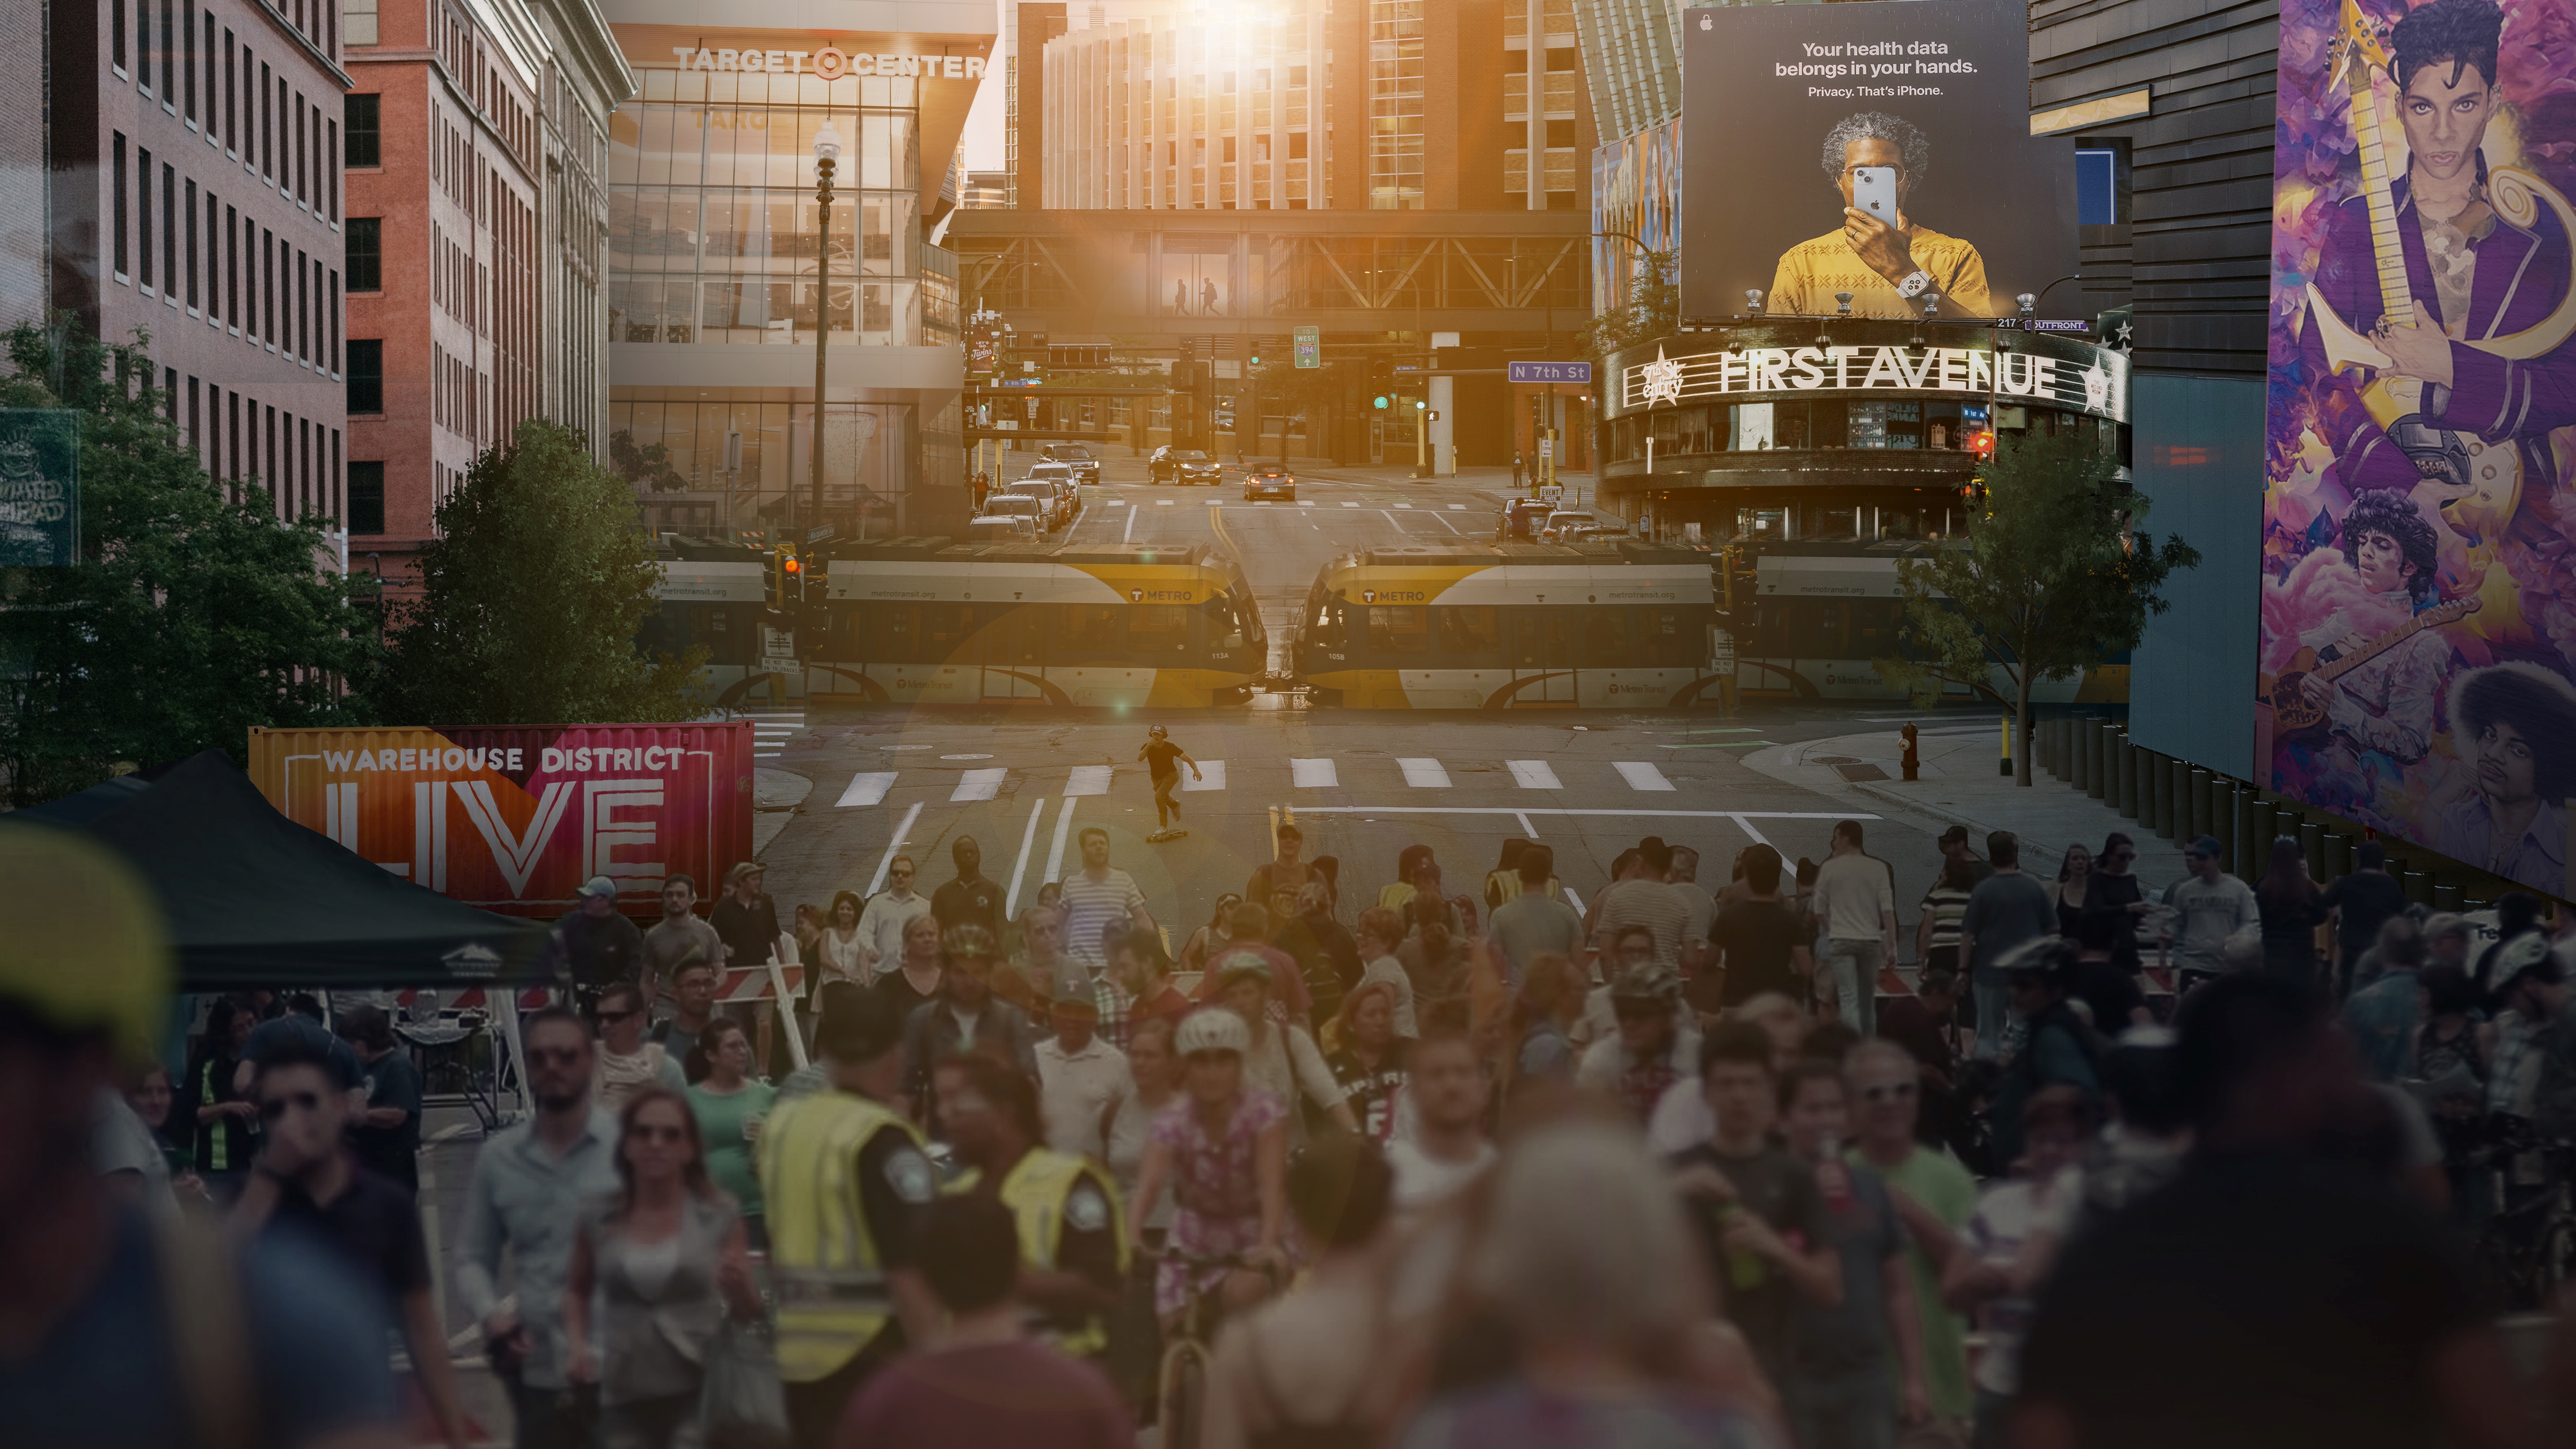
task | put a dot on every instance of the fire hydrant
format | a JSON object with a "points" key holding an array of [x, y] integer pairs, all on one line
{"points": [[1913, 756]]}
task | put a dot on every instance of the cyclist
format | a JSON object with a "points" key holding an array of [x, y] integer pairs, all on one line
{"points": [[1224, 1154], [1072, 1246], [1163, 760]]}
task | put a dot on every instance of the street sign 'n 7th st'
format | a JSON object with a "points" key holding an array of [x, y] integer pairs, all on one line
{"points": [[1552, 372]]}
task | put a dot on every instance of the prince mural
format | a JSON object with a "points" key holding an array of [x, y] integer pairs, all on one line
{"points": [[2423, 412]]}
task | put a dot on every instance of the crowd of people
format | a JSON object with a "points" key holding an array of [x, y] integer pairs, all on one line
{"points": [[1526, 1165]]}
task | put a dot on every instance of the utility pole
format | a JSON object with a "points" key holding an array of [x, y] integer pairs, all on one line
{"points": [[827, 158]]}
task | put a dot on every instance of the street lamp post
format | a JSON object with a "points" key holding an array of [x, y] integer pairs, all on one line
{"points": [[827, 159]]}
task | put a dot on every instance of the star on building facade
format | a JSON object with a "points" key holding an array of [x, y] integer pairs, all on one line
{"points": [[2097, 388], [1663, 379]]}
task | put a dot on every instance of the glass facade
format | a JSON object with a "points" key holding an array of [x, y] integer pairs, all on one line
{"points": [[712, 220], [673, 445], [1395, 105]]}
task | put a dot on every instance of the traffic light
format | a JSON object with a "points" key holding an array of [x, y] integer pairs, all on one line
{"points": [[1982, 443], [1256, 354], [787, 581], [1381, 373], [1420, 406], [1381, 400]]}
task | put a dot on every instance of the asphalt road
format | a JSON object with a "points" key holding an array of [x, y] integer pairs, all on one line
{"points": [[1023, 781]]}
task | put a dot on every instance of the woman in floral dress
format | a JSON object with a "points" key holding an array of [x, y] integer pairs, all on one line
{"points": [[1223, 1151]]}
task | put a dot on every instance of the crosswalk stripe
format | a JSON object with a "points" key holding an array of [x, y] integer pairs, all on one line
{"points": [[1020, 867], [1088, 780], [1642, 776], [1425, 774], [1346, 503], [1314, 775], [1055, 852], [1457, 507], [1305, 502], [894, 847], [1404, 505], [1211, 776], [979, 785], [1162, 503], [1534, 774], [867, 787]]}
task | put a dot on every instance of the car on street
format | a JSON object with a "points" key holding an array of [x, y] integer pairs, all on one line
{"points": [[1564, 521], [1002, 528], [1052, 513], [1168, 464], [1270, 482], [1076, 456], [1520, 519], [1008, 504]]}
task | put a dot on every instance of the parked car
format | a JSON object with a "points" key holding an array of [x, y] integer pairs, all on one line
{"points": [[1050, 507], [1009, 504], [1269, 482], [1564, 521], [1076, 456], [1184, 466], [1002, 528]]}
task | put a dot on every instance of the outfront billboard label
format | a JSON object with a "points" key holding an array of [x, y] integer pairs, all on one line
{"points": [[2419, 551], [1881, 149]]}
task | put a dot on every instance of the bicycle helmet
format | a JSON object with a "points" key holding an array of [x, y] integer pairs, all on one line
{"points": [[1212, 1030]]}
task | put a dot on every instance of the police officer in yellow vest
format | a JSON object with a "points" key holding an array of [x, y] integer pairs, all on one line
{"points": [[845, 1181], [1073, 1245]]}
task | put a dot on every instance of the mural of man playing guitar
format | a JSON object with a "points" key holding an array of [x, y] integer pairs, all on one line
{"points": [[2374, 684], [2441, 302]]}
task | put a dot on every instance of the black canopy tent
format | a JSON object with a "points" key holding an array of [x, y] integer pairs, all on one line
{"points": [[253, 899]]}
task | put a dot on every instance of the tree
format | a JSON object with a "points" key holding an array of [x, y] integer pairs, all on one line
{"points": [[2052, 575], [531, 597], [188, 617], [1654, 309]]}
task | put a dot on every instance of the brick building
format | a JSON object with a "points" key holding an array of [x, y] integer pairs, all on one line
{"points": [[192, 193], [477, 244]]}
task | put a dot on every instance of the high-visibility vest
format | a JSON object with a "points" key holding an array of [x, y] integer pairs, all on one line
{"points": [[1036, 1190], [829, 1276]]}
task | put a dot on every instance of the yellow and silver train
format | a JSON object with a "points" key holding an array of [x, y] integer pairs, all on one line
{"points": [[1625, 625], [925, 621]]}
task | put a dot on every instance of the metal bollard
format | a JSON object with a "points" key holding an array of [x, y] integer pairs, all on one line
{"points": [[2097, 740]]}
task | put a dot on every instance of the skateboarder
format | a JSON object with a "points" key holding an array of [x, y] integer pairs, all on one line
{"points": [[1159, 753]]}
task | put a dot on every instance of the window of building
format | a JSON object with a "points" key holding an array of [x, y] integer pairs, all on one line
{"points": [[1296, 77], [366, 498], [118, 148], [358, 21], [1296, 145], [2096, 196], [366, 253], [1560, 133], [366, 375], [143, 219], [1229, 149]]}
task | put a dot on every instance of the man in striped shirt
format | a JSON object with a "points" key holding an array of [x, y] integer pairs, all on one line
{"points": [[1097, 896]]}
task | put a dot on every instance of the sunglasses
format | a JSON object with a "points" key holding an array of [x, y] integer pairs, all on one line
{"points": [[1902, 1091], [276, 1107]]}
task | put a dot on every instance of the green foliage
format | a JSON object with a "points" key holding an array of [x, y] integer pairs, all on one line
{"points": [[1654, 308], [531, 596], [649, 465], [189, 618], [2053, 574]]}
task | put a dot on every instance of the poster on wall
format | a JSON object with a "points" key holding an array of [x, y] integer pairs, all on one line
{"points": [[2419, 549], [1881, 149]]}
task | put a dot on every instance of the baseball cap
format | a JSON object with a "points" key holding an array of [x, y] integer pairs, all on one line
{"points": [[2047, 957], [86, 949], [1652, 981], [743, 868], [600, 885], [1233, 966], [2205, 845], [1956, 834]]}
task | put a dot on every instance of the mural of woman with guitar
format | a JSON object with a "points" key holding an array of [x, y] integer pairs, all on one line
{"points": [[2423, 354]]}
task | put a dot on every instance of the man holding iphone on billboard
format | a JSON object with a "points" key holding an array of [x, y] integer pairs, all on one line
{"points": [[1888, 263]]}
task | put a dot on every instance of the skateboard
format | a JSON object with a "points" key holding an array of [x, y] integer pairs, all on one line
{"points": [[1162, 835]]}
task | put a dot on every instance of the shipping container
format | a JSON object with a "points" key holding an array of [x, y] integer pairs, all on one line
{"points": [[516, 818]]}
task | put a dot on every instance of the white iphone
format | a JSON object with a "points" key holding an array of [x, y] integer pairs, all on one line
{"points": [[1874, 191]]}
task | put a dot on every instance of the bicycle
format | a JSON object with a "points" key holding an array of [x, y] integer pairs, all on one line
{"points": [[1180, 1382], [2529, 1245]]}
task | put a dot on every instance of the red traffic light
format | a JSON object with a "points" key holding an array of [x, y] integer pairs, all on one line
{"points": [[1981, 443], [793, 566]]}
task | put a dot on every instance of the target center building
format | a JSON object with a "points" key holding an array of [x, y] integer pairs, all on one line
{"points": [[715, 249]]}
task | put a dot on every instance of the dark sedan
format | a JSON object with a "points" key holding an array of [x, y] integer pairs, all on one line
{"points": [[1183, 465], [1269, 483]]}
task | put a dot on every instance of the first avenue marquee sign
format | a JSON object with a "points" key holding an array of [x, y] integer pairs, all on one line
{"points": [[2098, 385]]}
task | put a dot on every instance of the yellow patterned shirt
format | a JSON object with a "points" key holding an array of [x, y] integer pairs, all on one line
{"points": [[1813, 271]]}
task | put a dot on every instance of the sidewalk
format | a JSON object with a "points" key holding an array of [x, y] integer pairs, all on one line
{"points": [[1959, 786]]}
